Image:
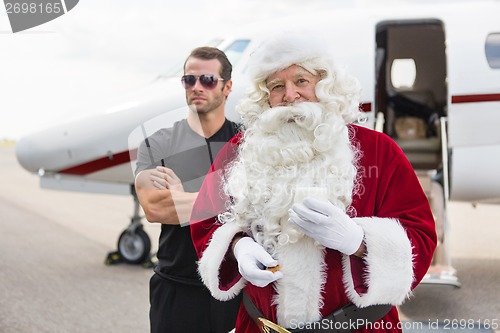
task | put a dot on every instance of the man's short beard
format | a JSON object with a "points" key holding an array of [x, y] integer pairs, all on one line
{"points": [[288, 147]]}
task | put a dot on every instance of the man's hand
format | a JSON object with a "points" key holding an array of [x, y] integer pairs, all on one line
{"points": [[252, 261], [329, 225], [163, 205], [165, 178]]}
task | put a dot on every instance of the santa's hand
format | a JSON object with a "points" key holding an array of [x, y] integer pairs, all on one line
{"points": [[252, 261], [327, 224]]}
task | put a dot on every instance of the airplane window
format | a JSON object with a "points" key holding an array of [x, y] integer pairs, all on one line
{"points": [[235, 50], [492, 49], [403, 73]]}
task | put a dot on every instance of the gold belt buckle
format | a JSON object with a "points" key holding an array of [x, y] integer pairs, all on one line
{"points": [[265, 326]]}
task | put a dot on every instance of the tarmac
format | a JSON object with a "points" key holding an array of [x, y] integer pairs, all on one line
{"points": [[53, 278]]}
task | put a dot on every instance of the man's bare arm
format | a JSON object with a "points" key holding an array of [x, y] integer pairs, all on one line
{"points": [[163, 205]]}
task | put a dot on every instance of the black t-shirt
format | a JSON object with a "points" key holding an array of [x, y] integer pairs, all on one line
{"points": [[190, 156]]}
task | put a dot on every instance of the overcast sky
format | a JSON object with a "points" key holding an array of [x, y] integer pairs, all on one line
{"points": [[102, 49]]}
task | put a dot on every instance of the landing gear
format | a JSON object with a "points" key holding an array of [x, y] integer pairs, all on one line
{"points": [[134, 244]]}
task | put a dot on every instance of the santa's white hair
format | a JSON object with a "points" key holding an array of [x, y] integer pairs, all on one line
{"points": [[306, 144]]}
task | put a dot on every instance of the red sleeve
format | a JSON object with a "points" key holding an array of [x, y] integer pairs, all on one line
{"points": [[401, 196], [391, 189]]}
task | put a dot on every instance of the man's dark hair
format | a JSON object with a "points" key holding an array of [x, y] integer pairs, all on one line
{"points": [[209, 53]]}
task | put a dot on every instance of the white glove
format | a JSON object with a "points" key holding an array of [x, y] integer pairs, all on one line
{"points": [[252, 260], [327, 224]]}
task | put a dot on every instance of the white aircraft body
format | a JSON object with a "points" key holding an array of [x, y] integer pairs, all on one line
{"points": [[431, 80]]}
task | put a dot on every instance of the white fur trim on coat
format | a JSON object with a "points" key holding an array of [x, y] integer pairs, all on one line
{"points": [[298, 296], [211, 260], [389, 263]]}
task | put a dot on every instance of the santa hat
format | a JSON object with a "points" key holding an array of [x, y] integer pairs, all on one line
{"points": [[283, 50]]}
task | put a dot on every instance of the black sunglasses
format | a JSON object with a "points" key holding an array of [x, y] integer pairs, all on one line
{"points": [[208, 81]]}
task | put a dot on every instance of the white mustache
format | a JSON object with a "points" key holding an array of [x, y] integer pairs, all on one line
{"points": [[307, 115]]}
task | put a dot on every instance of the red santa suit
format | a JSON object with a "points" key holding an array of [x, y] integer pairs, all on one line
{"points": [[399, 234]]}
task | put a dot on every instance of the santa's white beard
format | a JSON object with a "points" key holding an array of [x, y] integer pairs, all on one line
{"points": [[302, 145]]}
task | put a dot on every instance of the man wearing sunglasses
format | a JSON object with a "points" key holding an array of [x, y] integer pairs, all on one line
{"points": [[171, 166]]}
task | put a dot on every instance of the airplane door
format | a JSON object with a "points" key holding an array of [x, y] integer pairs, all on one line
{"points": [[411, 90], [411, 97]]}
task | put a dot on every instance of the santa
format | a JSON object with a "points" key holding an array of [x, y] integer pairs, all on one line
{"points": [[307, 213]]}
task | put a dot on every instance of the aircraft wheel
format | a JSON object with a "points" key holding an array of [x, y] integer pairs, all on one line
{"points": [[134, 246]]}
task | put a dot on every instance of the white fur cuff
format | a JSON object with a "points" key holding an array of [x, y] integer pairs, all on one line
{"points": [[211, 260], [389, 264]]}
